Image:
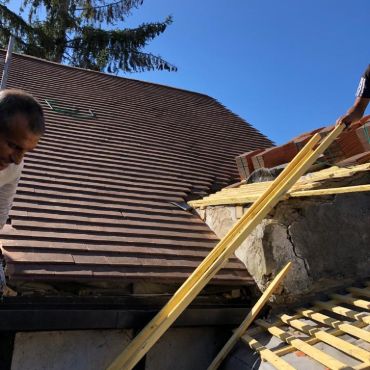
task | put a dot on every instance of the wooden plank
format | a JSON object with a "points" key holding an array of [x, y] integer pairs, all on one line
{"points": [[338, 343], [362, 367], [335, 332], [360, 291], [155, 329], [266, 354], [158, 325], [257, 329], [361, 303], [309, 350], [242, 197], [295, 191], [281, 351], [223, 250], [249, 192], [340, 327], [215, 201], [249, 319], [302, 184], [341, 190], [344, 311], [353, 329]]}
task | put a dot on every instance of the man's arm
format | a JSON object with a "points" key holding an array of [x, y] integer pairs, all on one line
{"points": [[7, 193], [354, 113], [357, 110]]}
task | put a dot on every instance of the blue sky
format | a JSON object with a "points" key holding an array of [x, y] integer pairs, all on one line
{"points": [[285, 66]]}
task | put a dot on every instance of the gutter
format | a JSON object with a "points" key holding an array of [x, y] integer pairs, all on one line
{"points": [[18, 314]]}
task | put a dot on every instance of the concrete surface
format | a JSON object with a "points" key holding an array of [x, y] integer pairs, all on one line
{"points": [[61, 350], [186, 349], [179, 348]]}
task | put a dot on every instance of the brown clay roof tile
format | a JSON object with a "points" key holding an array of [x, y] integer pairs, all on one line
{"points": [[94, 201]]}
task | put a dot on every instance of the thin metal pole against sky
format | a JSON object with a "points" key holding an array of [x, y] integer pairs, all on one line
{"points": [[8, 59]]}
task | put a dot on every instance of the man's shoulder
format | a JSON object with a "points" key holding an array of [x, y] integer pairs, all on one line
{"points": [[11, 173]]}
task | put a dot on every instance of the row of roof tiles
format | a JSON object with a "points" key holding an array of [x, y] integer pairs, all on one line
{"points": [[95, 198]]}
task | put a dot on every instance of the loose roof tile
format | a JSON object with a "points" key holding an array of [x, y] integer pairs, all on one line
{"points": [[94, 200]]}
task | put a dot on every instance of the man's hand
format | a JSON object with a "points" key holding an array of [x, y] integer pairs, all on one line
{"points": [[355, 113], [348, 118]]}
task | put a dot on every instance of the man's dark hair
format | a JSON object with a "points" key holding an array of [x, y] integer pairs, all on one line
{"points": [[14, 101]]}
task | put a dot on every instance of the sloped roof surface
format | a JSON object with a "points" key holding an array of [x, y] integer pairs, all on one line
{"points": [[95, 197]]}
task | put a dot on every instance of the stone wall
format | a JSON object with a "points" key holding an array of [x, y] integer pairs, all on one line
{"points": [[326, 237]]}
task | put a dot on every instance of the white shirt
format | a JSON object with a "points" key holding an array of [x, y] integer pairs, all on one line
{"points": [[9, 178]]}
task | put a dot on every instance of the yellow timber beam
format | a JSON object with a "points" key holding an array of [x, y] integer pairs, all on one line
{"points": [[267, 354], [222, 251], [243, 197], [249, 319], [322, 335]]}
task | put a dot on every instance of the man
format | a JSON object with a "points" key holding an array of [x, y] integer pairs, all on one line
{"points": [[362, 100], [21, 127]]}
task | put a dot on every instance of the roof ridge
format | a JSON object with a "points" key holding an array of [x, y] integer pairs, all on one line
{"points": [[110, 75]]}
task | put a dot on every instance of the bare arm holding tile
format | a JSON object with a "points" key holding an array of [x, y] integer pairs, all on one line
{"points": [[357, 110], [7, 193]]}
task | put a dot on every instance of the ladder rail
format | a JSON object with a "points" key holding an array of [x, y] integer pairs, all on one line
{"points": [[140, 345]]}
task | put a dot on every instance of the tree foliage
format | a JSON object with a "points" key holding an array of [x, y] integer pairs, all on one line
{"points": [[83, 33]]}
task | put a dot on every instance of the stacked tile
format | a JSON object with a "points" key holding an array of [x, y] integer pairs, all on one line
{"points": [[350, 143], [311, 133], [333, 154], [282, 154], [245, 164], [271, 157], [326, 130], [363, 133], [353, 144], [356, 159], [275, 156], [301, 141]]}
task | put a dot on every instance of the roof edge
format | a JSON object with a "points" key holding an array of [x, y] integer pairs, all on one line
{"points": [[108, 75]]}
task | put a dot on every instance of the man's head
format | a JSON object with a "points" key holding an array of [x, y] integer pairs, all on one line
{"points": [[21, 125]]}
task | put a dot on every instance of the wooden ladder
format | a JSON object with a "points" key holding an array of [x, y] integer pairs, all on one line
{"points": [[141, 344]]}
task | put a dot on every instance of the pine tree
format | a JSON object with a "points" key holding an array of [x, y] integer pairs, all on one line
{"points": [[83, 33]]}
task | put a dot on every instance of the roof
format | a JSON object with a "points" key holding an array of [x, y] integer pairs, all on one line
{"points": [[95, 198], [322, 182]]}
